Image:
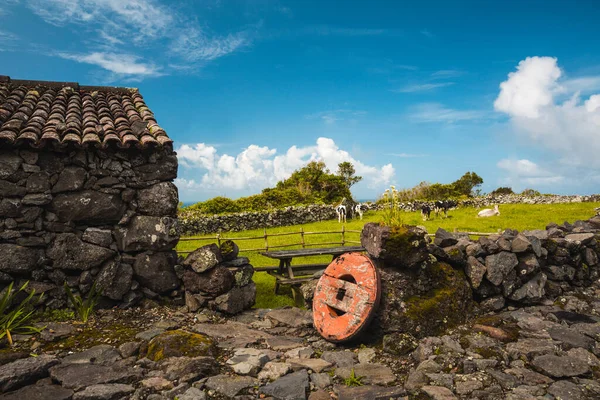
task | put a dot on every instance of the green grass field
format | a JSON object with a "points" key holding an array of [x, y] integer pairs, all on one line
{"points": [[514, 216]]}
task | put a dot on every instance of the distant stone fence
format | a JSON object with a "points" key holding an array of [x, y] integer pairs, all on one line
{"points": [[195, 223], [489, 200]]}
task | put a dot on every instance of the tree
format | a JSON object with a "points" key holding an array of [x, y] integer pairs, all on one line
{"points": [[346, 171], [502, 190], [467, 183]]}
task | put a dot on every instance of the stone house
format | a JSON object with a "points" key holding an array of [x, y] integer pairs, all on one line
{"points": [[86, 192]]}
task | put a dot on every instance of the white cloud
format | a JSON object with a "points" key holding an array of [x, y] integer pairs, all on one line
{"points": [[425, 32], [531, 97], [435, 112], [332, 116], [424, 87], [121, 64], [406, 155], [256, 167], [193, 45], [136, 27], [525, 172]]}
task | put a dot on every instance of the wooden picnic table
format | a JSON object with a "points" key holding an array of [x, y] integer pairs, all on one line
{"points": [[285, 273]]}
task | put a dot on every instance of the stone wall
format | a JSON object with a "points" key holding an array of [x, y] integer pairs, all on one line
{"points": [[524, 267], [215, 277], [195, 223], [490, 200], [86, 216]]}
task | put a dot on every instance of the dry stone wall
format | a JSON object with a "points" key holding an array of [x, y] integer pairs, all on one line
{"points": [[195, 223], [85, 216]]}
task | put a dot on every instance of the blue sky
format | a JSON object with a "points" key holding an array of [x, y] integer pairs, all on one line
{"points": [[408, 91]]}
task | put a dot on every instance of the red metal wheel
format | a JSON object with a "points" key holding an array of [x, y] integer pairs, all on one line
{"points": [[346, 297]]}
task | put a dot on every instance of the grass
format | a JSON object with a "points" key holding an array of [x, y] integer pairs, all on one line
{"points": [[513, 216]]}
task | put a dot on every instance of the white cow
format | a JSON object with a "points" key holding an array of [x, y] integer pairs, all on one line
{"points": [[489, 212], [341, 212]]}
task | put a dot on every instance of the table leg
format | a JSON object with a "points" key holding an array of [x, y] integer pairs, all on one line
{"points": [[288, 263]]}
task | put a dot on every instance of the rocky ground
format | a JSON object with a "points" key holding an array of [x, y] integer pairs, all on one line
{"points": [[544, 351]]}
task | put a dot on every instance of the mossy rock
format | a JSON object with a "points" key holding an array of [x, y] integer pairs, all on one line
{"points": [[398, 246], [229, 250], [179, 343], [424, 303]]}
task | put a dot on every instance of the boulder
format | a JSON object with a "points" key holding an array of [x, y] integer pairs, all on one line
{"points": [[424, 302], [444, 238], [108, 391], [148, 233], [237, 299], [25, 371], [165, 169], [70, 179], [88, 206], [532, 291], [10, 208], [521, 244], [229, 250], [204, 258], [400, 247], [40, 392], [179, 343], [38, 182], [499, 266], [289, 387], [9, 189], [100, 237], [79, 376], [474, 271], [9, 164], [114, 279], [156, 271], [189, 369], [215, 282], [19, 259], [69, 252], [243, 275], [158, 200]]}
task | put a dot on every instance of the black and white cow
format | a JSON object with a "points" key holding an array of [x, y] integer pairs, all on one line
{"points": [[340, 210], [443, 206], [425, 211], [360, 209]]}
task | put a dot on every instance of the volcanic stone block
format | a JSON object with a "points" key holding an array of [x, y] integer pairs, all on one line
{"points": [[156, 271], [164, 170], [19, 259], [237, 299], [215, 282], [9, 164], [70, 179], [114, 279], [88, 206], [148, 233], [400, 247], [204, 258], [499, 265], [159, 200], [69, 252]]}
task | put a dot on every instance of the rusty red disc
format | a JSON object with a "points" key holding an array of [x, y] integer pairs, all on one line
{"points": [[346, 297]]}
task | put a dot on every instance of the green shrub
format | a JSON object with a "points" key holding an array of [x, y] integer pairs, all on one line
{"points": [[15, 319], [83, 308], [502, 190]]}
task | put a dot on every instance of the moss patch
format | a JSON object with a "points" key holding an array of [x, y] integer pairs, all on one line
{"points": [[180, 343], [445, 306]]}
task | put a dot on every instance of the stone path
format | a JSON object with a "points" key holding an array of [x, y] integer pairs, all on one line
{"points": [[545, 351]]}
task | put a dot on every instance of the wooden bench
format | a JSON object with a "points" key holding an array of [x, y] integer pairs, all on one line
{"points": [[295, 275]]}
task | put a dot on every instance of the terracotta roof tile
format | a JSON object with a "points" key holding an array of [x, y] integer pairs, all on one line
{"points": [[38, 113]]}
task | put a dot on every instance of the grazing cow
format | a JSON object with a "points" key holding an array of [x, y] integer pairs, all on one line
{"points": [[341, 212], [443, 205], [489, 212], [425, 211], [360, 209]]}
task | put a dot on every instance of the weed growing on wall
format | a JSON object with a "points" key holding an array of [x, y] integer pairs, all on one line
{"points": [[14, 320], [392, 215]]}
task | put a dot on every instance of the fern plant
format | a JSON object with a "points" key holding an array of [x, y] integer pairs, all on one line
{"points": [[14, 320], [353, 380], [83, 308]]}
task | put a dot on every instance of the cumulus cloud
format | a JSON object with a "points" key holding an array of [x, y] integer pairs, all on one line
{"points": [[256, 167], [543, 107], [525, 172]]}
